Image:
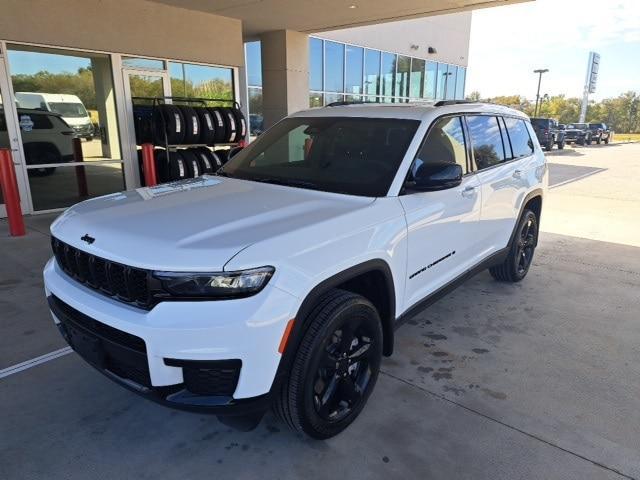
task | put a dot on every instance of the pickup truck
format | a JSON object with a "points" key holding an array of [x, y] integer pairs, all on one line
{"points": [[600, 132], [548, 133], [578, 133]]}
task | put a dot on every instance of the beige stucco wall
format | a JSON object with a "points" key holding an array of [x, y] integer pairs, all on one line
{"points": [[448, 34], [135, 27]]}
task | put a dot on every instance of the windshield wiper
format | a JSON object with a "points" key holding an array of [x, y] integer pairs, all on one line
{"points": [[287, 182]]}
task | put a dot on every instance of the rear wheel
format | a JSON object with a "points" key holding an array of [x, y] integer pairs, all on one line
{"points": [[335, 367], [606, 141], [561, 145], [516, 265], [549, 146]]}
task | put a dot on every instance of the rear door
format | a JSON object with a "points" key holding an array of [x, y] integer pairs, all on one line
{"points": [[441, 224], [503, 158]]}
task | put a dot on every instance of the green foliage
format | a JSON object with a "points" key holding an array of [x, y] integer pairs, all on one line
{"points": [[621, 114]]}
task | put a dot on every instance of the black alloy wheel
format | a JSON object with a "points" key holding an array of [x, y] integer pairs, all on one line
{"points": [[335, 367], [526, 244], [344, 370], [516, 266]]}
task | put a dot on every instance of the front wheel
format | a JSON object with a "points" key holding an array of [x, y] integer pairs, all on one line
{"points": [[516, 265], [599, 140], [606, 141], [549, 146], [561, 145], [335, 368]]}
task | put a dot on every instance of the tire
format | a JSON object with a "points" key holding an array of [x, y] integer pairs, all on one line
{"points": [[210, 161], [588, 140], [516, 266], [549, 146], [173, 125], [231, 124], [171, 168], [207, 125], [606, 141], [220, 125], [223, 155], [561, 145], [192, 125], [599, 140], [241, 124], [192, 162], [346, 384], [143, 124]]}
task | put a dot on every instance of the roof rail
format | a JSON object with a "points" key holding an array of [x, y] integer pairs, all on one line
{"points": [[343, 103], [444, 103]]}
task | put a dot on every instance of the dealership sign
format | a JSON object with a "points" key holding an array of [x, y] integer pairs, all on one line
{"points": [[592, 71]]}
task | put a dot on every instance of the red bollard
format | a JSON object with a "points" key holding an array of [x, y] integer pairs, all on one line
{"points": [[81, 175], [10, 192], [149, 165]]}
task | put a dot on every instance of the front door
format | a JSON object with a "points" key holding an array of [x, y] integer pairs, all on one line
{"points": [[441, 224], [139, 86]]}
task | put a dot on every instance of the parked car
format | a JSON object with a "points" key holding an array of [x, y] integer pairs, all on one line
{"points": [[548, 133], [46, 139], [600, 132], [284, 283], [578, 133], [70, 107]]}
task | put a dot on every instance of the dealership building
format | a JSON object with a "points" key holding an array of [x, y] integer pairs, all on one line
{"points": [[91, 62]]}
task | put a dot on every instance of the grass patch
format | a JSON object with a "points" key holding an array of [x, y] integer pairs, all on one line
{"points": [[626, 137]]}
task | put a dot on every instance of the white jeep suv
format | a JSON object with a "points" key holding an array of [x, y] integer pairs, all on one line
{"points": [[279, 281]]}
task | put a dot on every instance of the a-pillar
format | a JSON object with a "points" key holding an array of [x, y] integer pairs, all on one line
{"points": [[285, 74]]}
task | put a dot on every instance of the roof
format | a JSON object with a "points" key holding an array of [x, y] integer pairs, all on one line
{"points": [[409, 111]]}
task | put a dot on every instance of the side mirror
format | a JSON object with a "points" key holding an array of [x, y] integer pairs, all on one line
{"points": [[430, 177]]}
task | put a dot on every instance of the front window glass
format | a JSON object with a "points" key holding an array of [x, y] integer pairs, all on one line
{"points": [[354, 156], [444, 144], [486, 140]]}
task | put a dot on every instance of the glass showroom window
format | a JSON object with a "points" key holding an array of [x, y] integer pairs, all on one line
{"points": [[431, 81], [402, 76], [388, 74], [450, 87], [201, 81], [316, 64], [417, 77], [253, 56], [460, 82], [333, 67], [64, 97], [372, 72], [354, 75]]}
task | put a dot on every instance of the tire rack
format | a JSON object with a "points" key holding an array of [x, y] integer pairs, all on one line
{"points": [[202, 102]]}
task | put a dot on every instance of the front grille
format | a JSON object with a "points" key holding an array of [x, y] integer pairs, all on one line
{"points": [[124, 283]]}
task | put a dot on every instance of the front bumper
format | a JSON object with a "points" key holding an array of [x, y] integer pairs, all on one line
{"points": [[151, 352]]}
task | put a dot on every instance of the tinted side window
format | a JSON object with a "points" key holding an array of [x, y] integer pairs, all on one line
{"points": [[521, 143], [41, 122], [486, 140], [445, 143]]}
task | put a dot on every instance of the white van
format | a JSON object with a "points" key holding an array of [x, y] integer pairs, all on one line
{"points": [[70, 107]]}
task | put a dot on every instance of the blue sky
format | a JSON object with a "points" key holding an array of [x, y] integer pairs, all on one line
{"points": [[509, 42]]}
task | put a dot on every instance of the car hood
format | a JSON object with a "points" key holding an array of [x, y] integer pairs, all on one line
{"points": [[77, 121], [194, 225]]}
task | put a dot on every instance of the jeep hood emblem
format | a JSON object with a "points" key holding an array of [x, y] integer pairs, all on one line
{"points": [[87, 238]]}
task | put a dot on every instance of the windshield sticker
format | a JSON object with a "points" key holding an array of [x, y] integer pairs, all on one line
{"points": [[147, 193], [26, 124]]}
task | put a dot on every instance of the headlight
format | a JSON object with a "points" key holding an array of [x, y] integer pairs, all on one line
{"points": [[217, 285]]}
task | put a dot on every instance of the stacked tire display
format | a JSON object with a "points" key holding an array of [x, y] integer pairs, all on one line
{"points": [[187, 132]]}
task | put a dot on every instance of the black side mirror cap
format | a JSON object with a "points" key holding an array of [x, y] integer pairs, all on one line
{"points": [[430, 177]]}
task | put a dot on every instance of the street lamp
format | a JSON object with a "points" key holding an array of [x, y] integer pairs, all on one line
{"points": [[539, 72]]}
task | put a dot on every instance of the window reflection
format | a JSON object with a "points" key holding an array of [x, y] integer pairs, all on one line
{"points": [[417, 77], [486, 140], [402, 76], [256, 118], [59, 187], [201, 81], [388, 74], [431, 81], [316, 56], [354, 62], [372, 72]]}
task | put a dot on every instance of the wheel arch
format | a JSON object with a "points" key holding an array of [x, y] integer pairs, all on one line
{"points": [[375, 274]]}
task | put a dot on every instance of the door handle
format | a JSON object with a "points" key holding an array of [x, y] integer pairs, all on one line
{"points": [[469, 192], [517, 174]]}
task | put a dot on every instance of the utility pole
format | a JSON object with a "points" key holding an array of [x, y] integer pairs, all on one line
{"points": [[539, 72]]}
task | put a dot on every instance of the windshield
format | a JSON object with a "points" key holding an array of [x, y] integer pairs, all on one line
{"points": [[540, 122], [579, 126], [69, 110], [595, 126], [355, 156]]}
